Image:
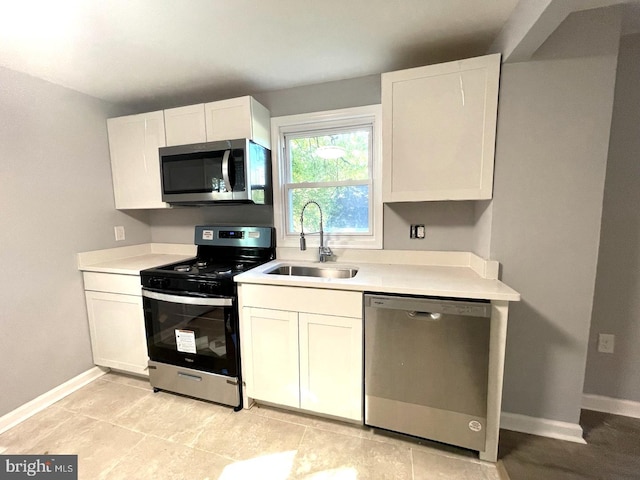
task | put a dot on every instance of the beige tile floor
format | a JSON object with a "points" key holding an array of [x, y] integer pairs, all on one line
{"points": [[120, 429]]}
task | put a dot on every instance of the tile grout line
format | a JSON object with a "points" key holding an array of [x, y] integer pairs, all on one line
{"points": [[413, 472], [144, 436], [51, 431]]}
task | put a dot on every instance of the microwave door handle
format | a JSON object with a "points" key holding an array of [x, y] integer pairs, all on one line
{"points": [[225, 170]]}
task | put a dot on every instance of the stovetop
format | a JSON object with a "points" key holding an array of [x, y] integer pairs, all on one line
{"points": [[206, 268], [222, 253]]}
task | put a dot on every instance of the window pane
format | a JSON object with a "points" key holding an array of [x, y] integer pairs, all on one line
{"points": [[344, 209], [332, 157]]}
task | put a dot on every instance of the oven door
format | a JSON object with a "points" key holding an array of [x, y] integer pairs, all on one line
{"points": [[196, 332]]}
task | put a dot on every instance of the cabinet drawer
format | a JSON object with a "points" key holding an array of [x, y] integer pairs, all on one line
{"points": [[341, 303], [111, 282]]}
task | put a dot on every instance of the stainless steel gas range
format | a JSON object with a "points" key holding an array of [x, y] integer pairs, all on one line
{"points": [[191, 314]]}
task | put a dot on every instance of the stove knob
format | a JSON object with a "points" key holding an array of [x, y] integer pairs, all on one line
{"points": [[209, 287], [159, 282]]}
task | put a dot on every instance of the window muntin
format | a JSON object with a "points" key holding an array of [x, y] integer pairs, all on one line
{"points": [[333, 168], [348, 190]]}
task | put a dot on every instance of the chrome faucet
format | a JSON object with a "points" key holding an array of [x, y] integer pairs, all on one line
{"points": [[323, 252]]}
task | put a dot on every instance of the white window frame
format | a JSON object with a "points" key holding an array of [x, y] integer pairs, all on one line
{"points": [[280, 126]]}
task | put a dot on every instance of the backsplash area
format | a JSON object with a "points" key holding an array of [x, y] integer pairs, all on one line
{"points": [[450, 226], [175, 225]]}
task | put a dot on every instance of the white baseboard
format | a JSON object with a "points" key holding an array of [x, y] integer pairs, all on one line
{"points": [[617, 406], [544, 427], [38, 404]]}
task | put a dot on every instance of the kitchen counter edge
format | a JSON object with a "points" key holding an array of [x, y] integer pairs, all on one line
{"points": [[130, 260], [427, 280]]}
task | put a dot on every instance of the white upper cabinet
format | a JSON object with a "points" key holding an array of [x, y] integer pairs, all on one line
{"points": [[134, 141], [185, 125], [135, 165], [439, 126], [241, 117]]}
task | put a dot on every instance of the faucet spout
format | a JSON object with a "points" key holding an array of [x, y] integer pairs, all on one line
{"points": [[323, 251]]}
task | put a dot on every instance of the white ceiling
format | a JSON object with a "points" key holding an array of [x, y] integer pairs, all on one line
{"points": [[135, 51]]}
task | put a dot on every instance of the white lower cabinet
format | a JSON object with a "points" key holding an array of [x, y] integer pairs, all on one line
{"points": [[116, 324], [272, 340], [331, 365], [303, 359]]}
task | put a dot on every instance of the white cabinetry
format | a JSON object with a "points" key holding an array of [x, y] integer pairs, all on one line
{"points": [[134, 141], [185, 125], [331, 364], [133, 144], [241, 117], [272, 340], [439, 125], [305, 349], [116, 321]]}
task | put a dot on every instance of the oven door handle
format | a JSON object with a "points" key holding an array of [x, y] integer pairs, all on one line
{"points": [[212, 302]]}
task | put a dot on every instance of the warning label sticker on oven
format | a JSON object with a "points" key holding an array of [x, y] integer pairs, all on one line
{"points": [[207, 234], [186, 341]]}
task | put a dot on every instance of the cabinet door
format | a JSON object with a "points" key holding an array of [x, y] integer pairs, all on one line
{"points": [[439, 126], [185, 125], [241, 117], [331, 365], [228, 119], [135, 164], [271, 355], [116, 324]]}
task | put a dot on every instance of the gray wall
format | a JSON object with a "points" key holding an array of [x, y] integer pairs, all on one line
{"points": [[616, 306], [553, 132], [57, 200], [176, 225], [450, 225]]}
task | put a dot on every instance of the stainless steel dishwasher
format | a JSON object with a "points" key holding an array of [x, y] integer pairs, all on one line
{"points": [[426, 367]]}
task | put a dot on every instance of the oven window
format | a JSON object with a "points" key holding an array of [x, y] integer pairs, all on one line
{"points": [[195, 336]]}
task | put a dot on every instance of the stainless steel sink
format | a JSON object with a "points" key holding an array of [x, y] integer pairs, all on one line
{"points": [[309, 271]]}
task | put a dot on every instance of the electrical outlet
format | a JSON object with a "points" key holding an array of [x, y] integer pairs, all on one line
{"points": [[606, 342], [119, 231], [416, 231]]}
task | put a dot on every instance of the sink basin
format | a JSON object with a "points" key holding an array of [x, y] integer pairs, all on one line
{"points": [[309, 271]]}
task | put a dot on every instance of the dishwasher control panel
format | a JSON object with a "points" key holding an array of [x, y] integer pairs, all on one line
{"points": [[426, 305]]}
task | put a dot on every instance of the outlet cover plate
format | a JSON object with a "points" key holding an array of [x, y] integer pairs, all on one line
{"points": [[119, 232], [606, 343]]}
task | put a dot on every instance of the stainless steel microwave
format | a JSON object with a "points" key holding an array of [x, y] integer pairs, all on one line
{"points": [[235, 171]]}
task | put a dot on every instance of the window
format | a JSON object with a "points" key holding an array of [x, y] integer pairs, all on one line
{"points": [[333, 159]]}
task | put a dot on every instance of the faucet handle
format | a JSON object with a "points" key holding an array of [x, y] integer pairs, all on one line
{"points": [[324, 252]]}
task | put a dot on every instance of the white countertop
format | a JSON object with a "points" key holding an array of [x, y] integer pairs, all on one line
{"points": [[133, 265], [433, 280], [444, 274], [131, 260]]}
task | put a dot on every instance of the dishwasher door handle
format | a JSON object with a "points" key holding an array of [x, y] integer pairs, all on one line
{"points": [[430, 316]]}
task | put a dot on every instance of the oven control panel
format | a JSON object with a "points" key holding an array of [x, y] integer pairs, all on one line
{"points": [[231, 236]]}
